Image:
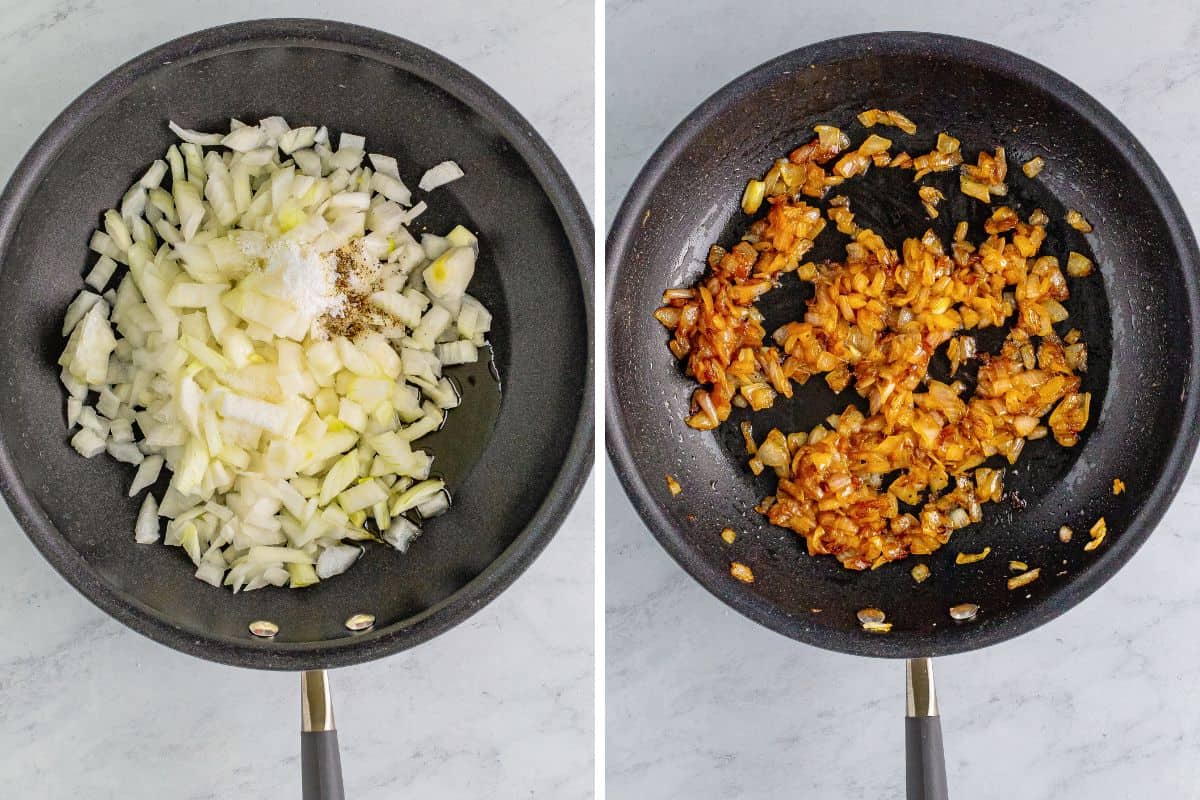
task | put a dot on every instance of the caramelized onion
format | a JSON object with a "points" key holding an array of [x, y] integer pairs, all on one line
{"points": [[874, 322]]}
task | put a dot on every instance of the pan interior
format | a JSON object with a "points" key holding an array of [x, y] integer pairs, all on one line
{"points": [[501, 454], [1136, 316]]}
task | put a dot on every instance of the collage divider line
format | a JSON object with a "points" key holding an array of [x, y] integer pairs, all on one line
{"points": [[599, 372]]}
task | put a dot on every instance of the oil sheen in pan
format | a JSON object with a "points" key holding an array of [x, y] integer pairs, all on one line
{"points": [[465, 433]]}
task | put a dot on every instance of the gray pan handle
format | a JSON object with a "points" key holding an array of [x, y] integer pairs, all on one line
{"points": [[322, 766], [320, 760], [926, 761]]}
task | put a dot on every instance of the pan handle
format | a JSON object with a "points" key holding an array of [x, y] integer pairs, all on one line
{"points": [[926, 761], [320, 760]]}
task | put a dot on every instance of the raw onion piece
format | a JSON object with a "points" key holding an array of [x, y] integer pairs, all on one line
{"points": [[440, 175], [146, 528], [401, 533], [261, 326], [336, 560]]}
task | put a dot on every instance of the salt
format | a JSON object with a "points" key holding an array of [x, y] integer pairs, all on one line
{"points": [[306, 278]]}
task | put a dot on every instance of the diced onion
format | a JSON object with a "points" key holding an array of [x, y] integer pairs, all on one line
{"points": [[875, 320], [244, 139], [440, 175], [415, 496], [127, 452], [87, 443], [434, 506], [146, 528], [385, 165], [218, 355], [401, 533], [336, 560], [101, 273], [82, 304], [195, 137], [147, 474], [459, 352]]}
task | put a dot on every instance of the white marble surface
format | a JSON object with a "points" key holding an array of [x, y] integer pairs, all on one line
{"points": [[1104, 703], [91, 710]]}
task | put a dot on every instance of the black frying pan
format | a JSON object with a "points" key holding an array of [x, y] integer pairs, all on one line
{"points": [[1138, 316], [515, 460]]}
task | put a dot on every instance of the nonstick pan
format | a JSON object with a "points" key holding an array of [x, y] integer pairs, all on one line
{"points": [[516, 453], [1138, 316]]}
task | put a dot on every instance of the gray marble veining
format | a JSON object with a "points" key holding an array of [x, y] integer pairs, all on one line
{"points": [[1103, 703], [499, 707]]}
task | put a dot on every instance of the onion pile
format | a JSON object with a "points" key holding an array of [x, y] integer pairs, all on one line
{"points": [[277, 343], [875, 487]]}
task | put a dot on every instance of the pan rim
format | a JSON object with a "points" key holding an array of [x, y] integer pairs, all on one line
{"points": [[1011, 66], [577, 227]]}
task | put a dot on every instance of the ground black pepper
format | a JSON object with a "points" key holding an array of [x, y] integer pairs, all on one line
{"points": [[356, 281]]}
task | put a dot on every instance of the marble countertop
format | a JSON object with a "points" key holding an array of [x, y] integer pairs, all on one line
{"points": [[1104, 702], [90, 709]]}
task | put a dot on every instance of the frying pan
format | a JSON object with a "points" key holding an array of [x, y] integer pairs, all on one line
{"points": [[1138, 315], [515, 454]]}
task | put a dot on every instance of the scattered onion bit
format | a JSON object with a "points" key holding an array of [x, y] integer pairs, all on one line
{"points": [[753, 196], [974, 189], [1033, 166], [971, 558], [728, 535], [873, 116], [1024, 579], [920, 573], [1118, 486], [986, 177], [930, 197], [674, 486], [943, 158], [1070, 418], [748, 435], [1078, 265], [1065, 534], [857, 162], [1098, 531], [874, 144], [1078, 222], [740, 571], [877, 627], [800, 173], [1018, 566]]}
